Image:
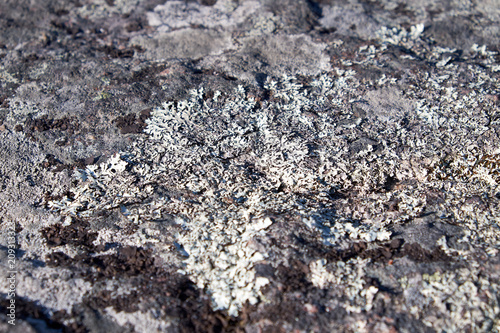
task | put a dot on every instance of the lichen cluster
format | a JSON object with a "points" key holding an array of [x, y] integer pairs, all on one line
{"points": [[464, 298], [222, 163], [265, 165]]}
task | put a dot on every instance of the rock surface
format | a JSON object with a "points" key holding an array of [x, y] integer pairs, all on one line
{"points": [[250, 166]]}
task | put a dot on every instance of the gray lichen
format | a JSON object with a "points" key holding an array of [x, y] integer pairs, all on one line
{"points": [[349, 181], [212, 137]]}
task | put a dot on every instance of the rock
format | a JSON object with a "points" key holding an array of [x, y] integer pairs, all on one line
{"points": [[275, 166]]}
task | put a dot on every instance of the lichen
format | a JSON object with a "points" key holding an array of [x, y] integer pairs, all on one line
{"points": [[226, 206], [400, 36], [302, 141], [347, 276], [465, 300], [222, 260]]}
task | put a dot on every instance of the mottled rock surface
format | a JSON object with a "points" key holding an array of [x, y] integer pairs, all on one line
{"points": [[250, 165]]}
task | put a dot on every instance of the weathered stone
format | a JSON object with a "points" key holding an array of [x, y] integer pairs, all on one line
{"points": [[257, 166]]}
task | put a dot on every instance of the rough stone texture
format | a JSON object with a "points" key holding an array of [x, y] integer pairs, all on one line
{"points": [[251, 166]]}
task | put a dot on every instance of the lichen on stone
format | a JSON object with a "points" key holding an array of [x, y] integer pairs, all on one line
{"points": [[465, 300], [227, 208], [200, 149], [348, 276]]}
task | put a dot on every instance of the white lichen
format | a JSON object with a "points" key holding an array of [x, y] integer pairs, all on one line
{"points": [[221, 260], [228, 208], [463, 299], [225, 164], [348, 277], [400, 36]]}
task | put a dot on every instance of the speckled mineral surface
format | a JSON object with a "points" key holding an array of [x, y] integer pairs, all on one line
{"points": [[250, 166]]}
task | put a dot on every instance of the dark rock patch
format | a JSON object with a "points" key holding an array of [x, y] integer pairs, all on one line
{"points": [[129, 261], [55, 165], [391, 250], [44, 123], [4, 102], [133, 123], [454, 32], [69, 28], [135, 26], [208, 2], [294, 277], [173, 293], [115, 52], [37, 314], [177, 296], [78, 233]]}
